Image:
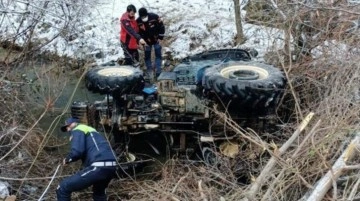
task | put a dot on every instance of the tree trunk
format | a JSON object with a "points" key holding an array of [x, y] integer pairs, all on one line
{"points": [[240, 38]]}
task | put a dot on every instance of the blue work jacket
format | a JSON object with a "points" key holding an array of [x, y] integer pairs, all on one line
{"points": [[89, 146]]}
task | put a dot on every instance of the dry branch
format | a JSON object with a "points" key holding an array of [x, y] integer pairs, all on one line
{"points": [[336, 170], [268, 194], [202, 194], [24, 137], [178, 183], [311, 133], [272, 162], [278, 10], [174, 198], [354, 190]]}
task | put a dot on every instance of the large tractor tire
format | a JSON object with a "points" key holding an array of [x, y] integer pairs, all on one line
{"points": [[252, 84], [110, 79]]}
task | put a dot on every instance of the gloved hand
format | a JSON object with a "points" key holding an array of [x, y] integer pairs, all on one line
{"points": [[66, 161], [159, 42], [142, 42]]}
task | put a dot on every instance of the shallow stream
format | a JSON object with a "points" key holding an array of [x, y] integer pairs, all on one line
{"points": [[59, 86]]}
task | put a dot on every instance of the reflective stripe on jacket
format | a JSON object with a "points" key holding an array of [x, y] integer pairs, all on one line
{"points": [[89, 146], [84, 128]]}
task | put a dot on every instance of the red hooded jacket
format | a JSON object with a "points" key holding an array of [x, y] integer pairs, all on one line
{"points": [[129, 31]]}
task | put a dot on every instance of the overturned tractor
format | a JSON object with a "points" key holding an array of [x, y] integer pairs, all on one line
{"points": [[176, 115]]}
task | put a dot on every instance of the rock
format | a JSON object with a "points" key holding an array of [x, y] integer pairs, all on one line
{"points": [[99, 55], [72, 37], [88, 27], [229, 149], [167, 50], [4, 189], [11, 198], [166, 63], [29, 190]]}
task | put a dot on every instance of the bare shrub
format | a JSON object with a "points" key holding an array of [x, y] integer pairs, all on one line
{"points": [[183, 180], [323, 79], [24, 22], [29, 99]]}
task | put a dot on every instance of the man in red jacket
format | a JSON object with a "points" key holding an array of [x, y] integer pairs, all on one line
{"points": [[129, 36]]}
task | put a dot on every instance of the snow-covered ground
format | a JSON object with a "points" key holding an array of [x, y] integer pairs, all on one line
{"points": [[193, 26]]}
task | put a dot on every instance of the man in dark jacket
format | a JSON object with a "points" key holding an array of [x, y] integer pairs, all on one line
{"points": [[129, 36], [152, 30], [98, 160]]}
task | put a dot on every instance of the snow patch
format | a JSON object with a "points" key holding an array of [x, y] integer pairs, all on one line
{"points": [[4, 191]]}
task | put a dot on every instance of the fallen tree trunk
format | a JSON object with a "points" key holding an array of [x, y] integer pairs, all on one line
{"points": [[324, 184]]}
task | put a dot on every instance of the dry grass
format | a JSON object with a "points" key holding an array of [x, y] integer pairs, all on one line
{"points": [[327, 85]]}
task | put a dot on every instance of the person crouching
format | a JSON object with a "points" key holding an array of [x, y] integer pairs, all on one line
{"points": [[98, 161]]}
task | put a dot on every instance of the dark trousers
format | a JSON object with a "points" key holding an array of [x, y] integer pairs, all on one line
{"points": [[158, 58], [131, 55], [98, 177]]}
